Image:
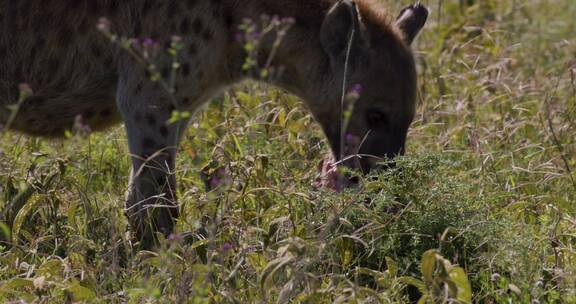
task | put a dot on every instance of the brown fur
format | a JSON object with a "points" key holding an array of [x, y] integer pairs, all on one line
{"points": [[75, 71], [55, 48]]}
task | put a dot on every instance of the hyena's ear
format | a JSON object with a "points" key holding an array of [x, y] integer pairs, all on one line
{"points": [[342, 18], [411, 20]]}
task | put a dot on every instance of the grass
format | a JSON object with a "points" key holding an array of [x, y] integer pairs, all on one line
{"points": [[484, 201]]}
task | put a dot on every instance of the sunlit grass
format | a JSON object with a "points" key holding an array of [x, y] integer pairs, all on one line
{"points": [[488, 181]]}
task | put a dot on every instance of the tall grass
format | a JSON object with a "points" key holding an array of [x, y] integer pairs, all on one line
{"points": [[488, 185]]}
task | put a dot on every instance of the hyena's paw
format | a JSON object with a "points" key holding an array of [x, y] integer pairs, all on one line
{"points": [[146, 220]]}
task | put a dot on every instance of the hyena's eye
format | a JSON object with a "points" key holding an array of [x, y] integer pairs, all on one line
{"points": [[377, 119]]}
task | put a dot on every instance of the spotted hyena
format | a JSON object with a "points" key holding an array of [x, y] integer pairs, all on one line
{"points": [[74, 70]]}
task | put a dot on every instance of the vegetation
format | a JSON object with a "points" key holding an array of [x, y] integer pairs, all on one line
{"points": [[482, 209]]}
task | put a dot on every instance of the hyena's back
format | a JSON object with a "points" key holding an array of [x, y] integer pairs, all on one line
{"points": [[55, 48]]}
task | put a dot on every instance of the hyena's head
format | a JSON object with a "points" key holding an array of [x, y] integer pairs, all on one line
{"points": [[381, 69]]}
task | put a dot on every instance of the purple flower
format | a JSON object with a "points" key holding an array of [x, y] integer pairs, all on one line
{"points": [[25, 89], [352, 140], [239, 37], [357, 88], [104, 25], [175, 237], [354, 92], [288, 20], [254, 36], [148, 42], [136, 42], [227, 247], [349, 137], [215, 182]]}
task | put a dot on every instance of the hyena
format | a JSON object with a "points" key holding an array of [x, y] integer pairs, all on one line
{"points": [[73, 69]]}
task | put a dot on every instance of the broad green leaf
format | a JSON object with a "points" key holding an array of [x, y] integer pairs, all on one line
{"points": [[5, 230], [51, 268], [199, 243], [153, 261], [392, 267], [81, 293], [413, 282], [459, 277], [16, 283], [71, 213], [428, 265], [21, 216]]}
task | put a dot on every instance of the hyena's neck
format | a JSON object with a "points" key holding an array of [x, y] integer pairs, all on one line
{"points": [[214, 53], [293, 61]]}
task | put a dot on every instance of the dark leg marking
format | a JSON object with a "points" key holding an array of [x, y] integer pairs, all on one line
{"points": [[164, 131], [150, 119], [185, 68], [148, 144]]}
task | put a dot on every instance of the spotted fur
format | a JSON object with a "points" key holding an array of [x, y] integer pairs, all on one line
{"points": [[75, 71]]}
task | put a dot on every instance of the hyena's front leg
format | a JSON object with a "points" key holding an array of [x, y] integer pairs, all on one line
{"points": [[151, 202]]}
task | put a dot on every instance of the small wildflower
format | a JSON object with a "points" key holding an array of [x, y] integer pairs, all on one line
{"points": [[80, 126], [495, 277], [239, 37], [104, 25], [254, 36], [176, 42], [147, 46], [215, 182], [25, 89], [288, 20], [175, 237], [40, 282], [136, 43], [539, 283], [352, 139], [148, 42], [226, 247], [355, 92]]}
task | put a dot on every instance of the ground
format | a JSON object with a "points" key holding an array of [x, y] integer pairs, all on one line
{"points": [[483, 203]]}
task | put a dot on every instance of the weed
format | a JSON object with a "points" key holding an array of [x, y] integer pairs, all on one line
{"points": [[480, 210]]}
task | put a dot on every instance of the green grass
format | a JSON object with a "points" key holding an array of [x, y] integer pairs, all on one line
{"points": [[488, 182]]}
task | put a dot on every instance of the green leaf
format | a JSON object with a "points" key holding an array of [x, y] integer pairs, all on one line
{"points": [[51, 268], [459, 277], [413, 282], [428, 265], [5, 230], [16, 283], [81, 293], [154, 261], [256, 260], [199, 243], [71, 213], [392, 267], [21, 216]]}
